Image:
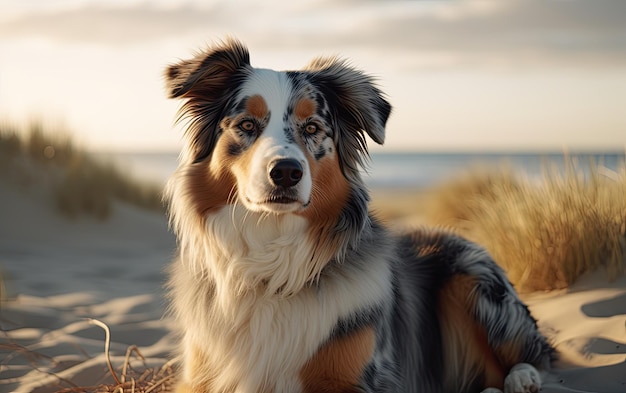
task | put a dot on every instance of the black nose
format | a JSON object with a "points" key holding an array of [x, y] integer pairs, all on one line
{"points": [[286, 172]]}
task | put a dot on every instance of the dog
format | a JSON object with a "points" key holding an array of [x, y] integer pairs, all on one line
{"points": [[285, 281]]}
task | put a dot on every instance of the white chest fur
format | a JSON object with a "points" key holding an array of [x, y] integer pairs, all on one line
{"points": [[250, 307]]}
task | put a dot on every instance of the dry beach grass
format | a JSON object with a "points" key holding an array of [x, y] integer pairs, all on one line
{"points": [[80, 182], [544, 232]]}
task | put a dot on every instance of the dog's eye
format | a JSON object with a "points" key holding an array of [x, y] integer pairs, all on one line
{"points": [[311, 128], [247, 126]]}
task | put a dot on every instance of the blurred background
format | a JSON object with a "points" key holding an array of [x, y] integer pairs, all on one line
{"points": [[462, 75]]}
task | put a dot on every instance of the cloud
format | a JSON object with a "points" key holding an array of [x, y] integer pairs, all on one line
{"points": [[578, 33], [100, 24], [572, 32]]}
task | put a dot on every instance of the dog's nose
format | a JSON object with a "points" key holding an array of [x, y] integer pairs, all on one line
{"points": [[286, 172]]}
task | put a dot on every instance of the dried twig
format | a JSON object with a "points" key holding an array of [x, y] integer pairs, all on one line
{"points": [[107, 343], [129, 351]]}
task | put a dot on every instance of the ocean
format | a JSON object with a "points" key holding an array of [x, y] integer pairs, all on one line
{"points": [[415, 169]]}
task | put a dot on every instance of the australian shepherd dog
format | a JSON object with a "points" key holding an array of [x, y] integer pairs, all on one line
{"points": [[286, 282]]}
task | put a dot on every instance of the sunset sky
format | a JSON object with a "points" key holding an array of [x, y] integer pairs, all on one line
{"points": [[461, 75]]}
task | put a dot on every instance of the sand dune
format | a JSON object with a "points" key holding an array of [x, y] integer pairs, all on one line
{"points": [[62, 272]]}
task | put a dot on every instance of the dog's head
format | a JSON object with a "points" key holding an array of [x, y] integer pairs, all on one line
{"points": [[279, 142]]}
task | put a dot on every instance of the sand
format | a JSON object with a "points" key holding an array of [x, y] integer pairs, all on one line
{"points": [[62, 272], [587, 323]]}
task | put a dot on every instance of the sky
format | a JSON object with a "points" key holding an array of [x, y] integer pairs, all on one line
{"points": [[461, 75]]}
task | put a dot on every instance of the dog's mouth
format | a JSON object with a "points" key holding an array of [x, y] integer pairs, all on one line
{"points": [[279, 201]]}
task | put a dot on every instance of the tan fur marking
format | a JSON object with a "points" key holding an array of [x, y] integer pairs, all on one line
{"points": [[305, 108], [330, 189], [338, 365], [256, 106], [209, 187], [466, 350], [328, 198]]}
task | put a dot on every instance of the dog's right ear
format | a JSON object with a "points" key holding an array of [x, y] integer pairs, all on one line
{"points": [[207, 82], [208, 72]]}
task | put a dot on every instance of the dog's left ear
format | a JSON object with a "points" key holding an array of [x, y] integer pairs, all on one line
{"points": [[353, 97]]}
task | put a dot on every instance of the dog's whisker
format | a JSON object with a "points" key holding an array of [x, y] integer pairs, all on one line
{"points": [[233, 200], [232, 195], [262, 217]]}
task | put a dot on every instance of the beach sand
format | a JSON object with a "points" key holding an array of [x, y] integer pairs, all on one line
{"points": [[60, 273]]}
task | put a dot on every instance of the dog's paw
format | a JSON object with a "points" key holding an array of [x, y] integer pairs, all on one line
{"points": [[523, 378], [491, 390]]}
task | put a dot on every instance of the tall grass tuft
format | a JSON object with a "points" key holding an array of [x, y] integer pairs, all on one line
{"points": [[545, 233], [80, 182]]}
